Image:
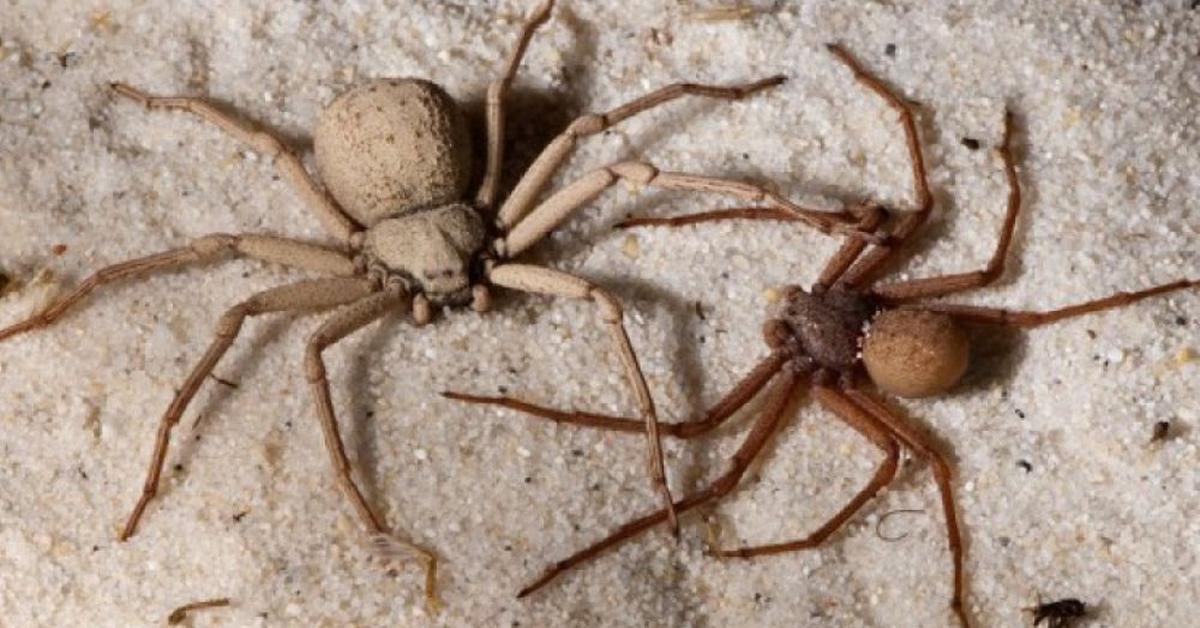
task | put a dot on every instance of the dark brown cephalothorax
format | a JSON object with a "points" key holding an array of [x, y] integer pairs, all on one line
{"points": [[395, 159], [821, 330], [909, 347]]}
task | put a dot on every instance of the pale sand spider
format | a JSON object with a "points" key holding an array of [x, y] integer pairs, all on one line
{"points": [[395, 158]]}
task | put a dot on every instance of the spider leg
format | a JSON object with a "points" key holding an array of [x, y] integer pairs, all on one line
{"points": [[872, 429], [863, 272], [766, 425], [525, 194], [335, 221], [306, 295], [489, 189], [871, 218], [924, 447], [538, 279], [741, 394], [1019, 318], [717, 215], [343, 322], [554, 210], [207, 248], [947, 284]]}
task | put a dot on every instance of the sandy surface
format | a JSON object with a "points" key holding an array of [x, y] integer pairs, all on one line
{"points": [[1060, 492]]}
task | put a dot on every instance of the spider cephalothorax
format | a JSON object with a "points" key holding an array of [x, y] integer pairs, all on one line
{"points": [[820, 330]]}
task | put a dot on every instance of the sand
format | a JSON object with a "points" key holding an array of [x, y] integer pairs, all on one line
{"points": [[1061, 493]]}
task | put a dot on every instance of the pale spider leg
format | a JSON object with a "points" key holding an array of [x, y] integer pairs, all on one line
{"points": [[335, 221], [1018, 318], [768, 422], [208, 248], [489, 189], [343, 322], [737, 397], [306, 295], [924, 447], [554, 210], [542, 280], [527, 190], [873, 430], [947, 284], [863, 271]]}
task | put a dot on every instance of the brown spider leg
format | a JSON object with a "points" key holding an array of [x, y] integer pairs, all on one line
{"points": [[335, 221], [741, 393], [489, 189], [1018, 318], [538, 279], [871, 219], [718, 215], [873, 430], [946, 284], [768, 422], [862, 272], [343, 322], [312, 294], [923, 446], [207, 248], [524, 195]]}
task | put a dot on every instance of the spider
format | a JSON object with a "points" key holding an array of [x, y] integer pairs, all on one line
{"points": [[395, 159], [827, 338]]}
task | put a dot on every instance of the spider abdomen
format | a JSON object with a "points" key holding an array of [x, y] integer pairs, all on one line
{"points": [[389, 146], [915, 353]]}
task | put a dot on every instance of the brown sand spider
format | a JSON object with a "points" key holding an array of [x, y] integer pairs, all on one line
{"points": [[395, 161], [827, 338]]}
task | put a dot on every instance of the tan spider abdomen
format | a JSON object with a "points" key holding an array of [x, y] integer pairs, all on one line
{"points": [[391, 145], [913, 353]]}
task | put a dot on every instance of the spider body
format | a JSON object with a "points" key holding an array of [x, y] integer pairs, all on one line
{"points": [[838, 334], [396, 156], [395, 159]]}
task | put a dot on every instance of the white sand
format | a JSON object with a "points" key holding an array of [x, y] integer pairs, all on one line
{"points": [[1108, 142]]}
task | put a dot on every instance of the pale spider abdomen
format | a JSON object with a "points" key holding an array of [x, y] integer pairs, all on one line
{"points": [[391, 145], [915, 353]]}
